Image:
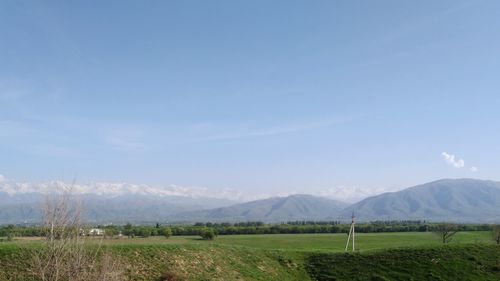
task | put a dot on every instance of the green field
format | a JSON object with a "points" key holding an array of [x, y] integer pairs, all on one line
{"points": [[380, 256], [336, 242], [306, 242]]}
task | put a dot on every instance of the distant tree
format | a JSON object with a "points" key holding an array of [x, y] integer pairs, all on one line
{"points": [[446, 231], [496, 233], [207, 234], [144, 232], [167, 232], [128, 229], [110, 232]]}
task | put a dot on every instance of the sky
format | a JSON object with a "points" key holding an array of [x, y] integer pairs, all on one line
{"points": [[263, 97]]}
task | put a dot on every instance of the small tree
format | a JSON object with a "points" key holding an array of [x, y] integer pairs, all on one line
{"points": [[207, 234], [446, 231], [167, 232], [10, 236], [64, 254], [496, 233]]}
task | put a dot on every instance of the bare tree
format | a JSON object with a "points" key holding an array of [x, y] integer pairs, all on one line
{"points": [[446, 231], [496, 233], [66, 255]]}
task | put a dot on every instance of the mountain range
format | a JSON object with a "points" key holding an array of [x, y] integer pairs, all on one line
{"points": [[466, 200]]}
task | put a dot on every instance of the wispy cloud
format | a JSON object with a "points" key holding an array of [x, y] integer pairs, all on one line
{"points": [[126, 139], [474, 169], [453, 160], [125, 144], [55, 150], [9, 128], [12, 90], [272, 131]]}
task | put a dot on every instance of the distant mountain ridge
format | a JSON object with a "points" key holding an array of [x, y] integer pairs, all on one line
{"points": [[466, 200], [276, 209], [136, 208]]}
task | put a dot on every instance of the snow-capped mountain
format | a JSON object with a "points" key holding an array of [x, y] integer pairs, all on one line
{"points": [[113, 189], [352, 194], [108, 202]]}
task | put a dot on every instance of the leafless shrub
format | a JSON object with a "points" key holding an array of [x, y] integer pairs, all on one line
{"points": [[66, 255], [496, 233], [446, 231]]}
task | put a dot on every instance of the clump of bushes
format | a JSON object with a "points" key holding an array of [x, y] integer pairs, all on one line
{"points": [[207, 234]]}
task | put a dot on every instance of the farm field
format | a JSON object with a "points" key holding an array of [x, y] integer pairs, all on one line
{"points": [[305, 242], [311, 242]]}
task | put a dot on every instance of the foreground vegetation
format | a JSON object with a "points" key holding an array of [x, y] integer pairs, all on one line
{"points": [[465, 262], [381, 256]]}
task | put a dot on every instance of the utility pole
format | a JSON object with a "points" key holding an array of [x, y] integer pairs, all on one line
{"points": [[351, 232]]}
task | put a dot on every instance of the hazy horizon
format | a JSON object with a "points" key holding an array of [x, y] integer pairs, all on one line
{"points": [[254, 97]]}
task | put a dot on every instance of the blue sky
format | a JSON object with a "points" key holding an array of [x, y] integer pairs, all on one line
{"points": [[257, 96]]}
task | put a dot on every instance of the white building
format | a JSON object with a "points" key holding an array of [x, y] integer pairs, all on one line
{"points": [[96, 232]]}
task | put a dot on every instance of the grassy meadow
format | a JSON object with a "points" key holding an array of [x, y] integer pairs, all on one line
{"points": [[303, 242]]}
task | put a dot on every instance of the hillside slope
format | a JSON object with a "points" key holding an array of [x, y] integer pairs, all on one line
{"points": [[277, 209], [465, 200], [215, 262]]}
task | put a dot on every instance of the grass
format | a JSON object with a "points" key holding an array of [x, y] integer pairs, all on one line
{"points": [[307, 242], [336, 242], [459, 262], [381, 256]]}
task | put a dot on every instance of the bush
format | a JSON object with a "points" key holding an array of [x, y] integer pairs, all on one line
{"points": [[208, 234], [167, 232], [145, 233]]}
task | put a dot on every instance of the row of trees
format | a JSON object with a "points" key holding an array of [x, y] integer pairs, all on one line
{"points": [[253, 228]]}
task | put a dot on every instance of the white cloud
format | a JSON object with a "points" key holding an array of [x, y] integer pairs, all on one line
{"points": [[474, 169], [453, 160], [2, 178]]}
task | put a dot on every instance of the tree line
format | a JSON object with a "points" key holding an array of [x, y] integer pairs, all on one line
{"points": [[293, 227]]}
